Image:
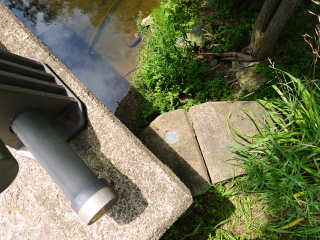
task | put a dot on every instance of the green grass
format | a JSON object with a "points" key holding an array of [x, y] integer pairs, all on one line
{"points": [[223, 212], [283, 161]]}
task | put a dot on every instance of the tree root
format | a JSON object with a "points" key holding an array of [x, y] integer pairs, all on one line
{"points": [[232, 56]]}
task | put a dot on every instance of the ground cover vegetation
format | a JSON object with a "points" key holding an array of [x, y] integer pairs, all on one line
{"points": [[169, 75], [279, 196], [174, 73], [282, 163]]}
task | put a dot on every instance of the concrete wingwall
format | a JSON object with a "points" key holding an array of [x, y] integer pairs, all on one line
{"points": [[33, 207]]}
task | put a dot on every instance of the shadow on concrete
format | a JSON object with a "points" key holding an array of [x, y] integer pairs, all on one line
{"points": [[128, 111], [131, 202], [3, 48], [210, 207], [187, 174]]}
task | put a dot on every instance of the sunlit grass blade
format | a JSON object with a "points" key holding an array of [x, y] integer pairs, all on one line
{"points": [[293, 223], [299, 194]]}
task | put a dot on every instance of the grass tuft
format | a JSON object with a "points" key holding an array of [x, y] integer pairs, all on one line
{"points": [[283, 161]]}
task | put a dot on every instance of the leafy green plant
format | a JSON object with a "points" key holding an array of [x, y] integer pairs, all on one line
{"points": [[232, 28], [169, 76]]}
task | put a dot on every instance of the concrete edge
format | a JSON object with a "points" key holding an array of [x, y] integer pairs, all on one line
{"points": [[16, 43]]}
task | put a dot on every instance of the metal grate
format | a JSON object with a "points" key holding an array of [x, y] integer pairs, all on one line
{"points": [[28, 74]]}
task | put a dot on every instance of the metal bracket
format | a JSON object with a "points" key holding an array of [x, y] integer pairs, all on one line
{"points": [[27, 84]]}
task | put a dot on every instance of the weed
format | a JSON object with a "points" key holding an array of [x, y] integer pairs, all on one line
{"points": [[232, 28], [169, 76], [283, 160]]}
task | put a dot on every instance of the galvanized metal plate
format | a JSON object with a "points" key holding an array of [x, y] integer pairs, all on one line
{"points": [[14, 101], [172, 137]]}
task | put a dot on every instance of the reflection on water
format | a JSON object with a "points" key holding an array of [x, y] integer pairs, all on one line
{"points": [[97, 40]]}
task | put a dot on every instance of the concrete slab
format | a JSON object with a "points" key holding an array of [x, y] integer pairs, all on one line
{"points": [[171, 138], [210, 126], [33, 207]]}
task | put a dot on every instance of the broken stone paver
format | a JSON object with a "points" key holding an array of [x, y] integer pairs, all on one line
{"points": [[210, 126], [183, 157], [151, 197]]}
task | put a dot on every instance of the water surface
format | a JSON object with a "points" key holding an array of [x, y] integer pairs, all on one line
{"points": [[97, 40]]}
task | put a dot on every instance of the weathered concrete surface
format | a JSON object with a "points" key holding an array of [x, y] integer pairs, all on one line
{"points": [[183, 157], [33, 207], [210, 126]]}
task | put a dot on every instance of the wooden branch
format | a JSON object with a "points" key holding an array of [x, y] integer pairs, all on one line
{"points": [[232, 81], [231, 56], [211, 69]]}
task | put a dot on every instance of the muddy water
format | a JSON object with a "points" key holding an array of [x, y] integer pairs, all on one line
{"points": [[97, 40]]}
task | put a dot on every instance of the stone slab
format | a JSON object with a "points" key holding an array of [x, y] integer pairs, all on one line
{"points": [[210, 126], [33, 207], [183, 157]]}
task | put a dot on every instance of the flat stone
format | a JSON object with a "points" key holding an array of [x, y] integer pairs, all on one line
{"points": [[151, 196], [171, 138], [213, 62], [210, 126], [249, 80], [196, 36], [146, 22], [208, 28]]}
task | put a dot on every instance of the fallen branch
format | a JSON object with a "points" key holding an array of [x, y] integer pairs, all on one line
{"points": [[232, 81], [232, 56], [211, 69]]}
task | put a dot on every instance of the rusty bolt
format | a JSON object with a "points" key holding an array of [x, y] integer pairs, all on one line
{"points": [[71, 117]]}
